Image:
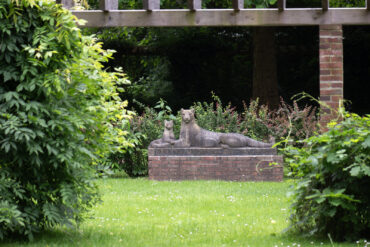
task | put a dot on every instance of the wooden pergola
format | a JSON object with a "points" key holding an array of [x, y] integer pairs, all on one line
{"points": [[329, 20]]}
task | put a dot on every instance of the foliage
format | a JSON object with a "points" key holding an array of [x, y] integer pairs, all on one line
{"points": [[57, 111], [182, 65], [194, 61], [256, 121], [346, 3], [332, 195], [142, 129], [215, 117], [292, 123]]}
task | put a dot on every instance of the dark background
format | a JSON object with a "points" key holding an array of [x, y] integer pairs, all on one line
{"points": [[184, 65]]}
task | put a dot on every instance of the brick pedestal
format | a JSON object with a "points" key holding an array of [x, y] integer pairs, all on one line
{"points": [[331, 69], [225, 165]]}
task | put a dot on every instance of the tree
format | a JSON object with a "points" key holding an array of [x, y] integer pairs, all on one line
{"points": [[265, 82], [183, 65], [57, 107], [265, 79]]}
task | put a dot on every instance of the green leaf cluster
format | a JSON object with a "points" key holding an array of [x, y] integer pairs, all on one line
{"points": [[332, 195], [57, 111]]}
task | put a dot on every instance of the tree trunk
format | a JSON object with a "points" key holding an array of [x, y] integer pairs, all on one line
{"points": [[265, 84]]}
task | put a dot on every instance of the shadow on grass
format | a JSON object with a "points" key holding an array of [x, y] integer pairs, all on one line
{"points": [[58, 237]]}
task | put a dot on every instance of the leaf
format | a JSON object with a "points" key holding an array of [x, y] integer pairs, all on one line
{"points": [[366, 143], [272, 2], [320, 199], [335, 202], [355, 171], [333, 158], [331, 212]]}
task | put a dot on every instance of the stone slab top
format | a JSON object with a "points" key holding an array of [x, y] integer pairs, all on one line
{"points": [[198, 151]]}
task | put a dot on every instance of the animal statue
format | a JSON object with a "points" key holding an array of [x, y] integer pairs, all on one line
{"points": [[191, 135], [168, 136]]}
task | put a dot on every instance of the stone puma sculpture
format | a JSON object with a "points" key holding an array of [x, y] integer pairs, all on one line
{"points": [[168, 136], [191, 135]]}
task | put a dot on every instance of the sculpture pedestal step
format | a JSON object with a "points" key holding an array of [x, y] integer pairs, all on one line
{"points": [[234, 164]]}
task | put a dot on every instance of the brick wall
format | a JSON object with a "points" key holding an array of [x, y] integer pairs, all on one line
{"points": [[331, 69], [230, 168]]}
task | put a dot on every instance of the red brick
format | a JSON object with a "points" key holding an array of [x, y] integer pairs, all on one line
{"points": [[325, 85], [336, 59], [325, 59], [324, 46], [325, 52], [238, 168], [331, 40], [325, 111], [337, 85], [337, 91], [325, 32], [331, 53], [335, 98], [336, 65], [330, 33], [337, 71], [325, 71], [333, 105], [331, 27], [330, 78], [325, 98], [338, 46]]}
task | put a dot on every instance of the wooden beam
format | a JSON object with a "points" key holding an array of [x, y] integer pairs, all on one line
{"points": [[224, 17], [108, 5], [238, 4], [66, 3], [150, 5], [325, 5], [194, 4], [368, 4], [281, 5]]}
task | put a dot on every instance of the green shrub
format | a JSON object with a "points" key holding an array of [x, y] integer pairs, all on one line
{"points": [[215, 117], [141, 130], [332, 195], [256, 121], [57, 109]]}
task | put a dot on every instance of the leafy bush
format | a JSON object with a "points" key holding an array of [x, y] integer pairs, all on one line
{"points": [[57, 110], [256, 121], [332, 195], [142, 129], [215, 117], [293, 124]]}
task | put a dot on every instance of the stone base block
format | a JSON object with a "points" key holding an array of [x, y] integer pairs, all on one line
{"points": [[220, 167]]}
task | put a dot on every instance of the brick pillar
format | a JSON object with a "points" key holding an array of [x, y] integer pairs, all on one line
{"points": [[331, 70]]}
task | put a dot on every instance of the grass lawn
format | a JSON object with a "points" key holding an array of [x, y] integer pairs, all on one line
{"points": [[139, 212]]}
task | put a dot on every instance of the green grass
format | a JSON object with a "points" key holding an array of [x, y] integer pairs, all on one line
{"points": [[139, 212]]}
